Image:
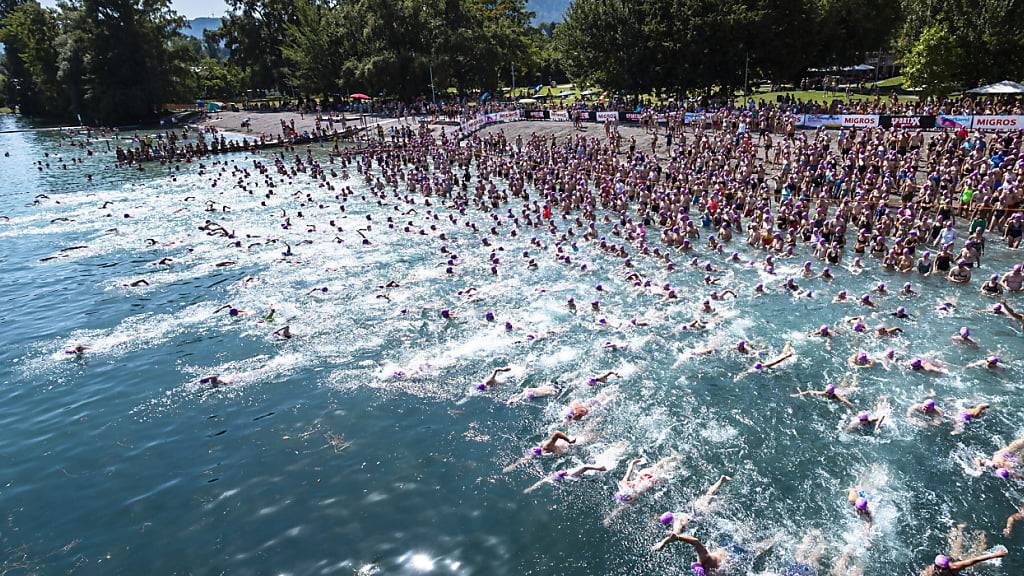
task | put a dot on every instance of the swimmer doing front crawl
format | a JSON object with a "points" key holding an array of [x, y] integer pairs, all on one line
{"points": [[680, 521], [632, 488]]}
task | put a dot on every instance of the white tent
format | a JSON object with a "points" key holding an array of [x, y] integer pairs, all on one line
{"points": [[1004, 87]]}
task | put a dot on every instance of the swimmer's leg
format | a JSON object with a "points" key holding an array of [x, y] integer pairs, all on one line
{"points": [[537, 485], [516, 464], [587, 468], [716, 486]]}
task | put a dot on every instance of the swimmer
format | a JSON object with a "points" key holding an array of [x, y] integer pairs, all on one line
{"points": [[968, 415], [992, 362], [631, 489], [865, 419], [579, 410], [214, 381], [550, 446], [561, 475], [533, 393], [786, 354], [928, 410], [232, 311], [138, 283], [964, 337], [925, 365], [945, 566], [680, 521], [285, 333], [829, 393], [860, 360], [1006, 461], [604, 377], [858, 499], [492, 380], [78, 350]]}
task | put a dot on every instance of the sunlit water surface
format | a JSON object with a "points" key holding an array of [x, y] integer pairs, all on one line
{"points": [[361, 445]]}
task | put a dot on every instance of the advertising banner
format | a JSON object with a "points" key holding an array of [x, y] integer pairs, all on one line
{"points": [[536, 114], [922, 122], [826, 120], [998, 123], [953, 122], [694, 118], [860, 120], [632, 116], [560, 115], [606, 116]]}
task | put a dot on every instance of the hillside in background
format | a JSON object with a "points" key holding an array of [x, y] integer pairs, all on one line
{"points": [[196, 26], [548, 10]]}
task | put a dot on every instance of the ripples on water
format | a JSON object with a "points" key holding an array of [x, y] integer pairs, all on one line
{"points": [[361, 445]]}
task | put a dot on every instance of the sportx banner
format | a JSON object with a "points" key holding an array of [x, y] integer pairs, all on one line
{"points": [[915, 122]]}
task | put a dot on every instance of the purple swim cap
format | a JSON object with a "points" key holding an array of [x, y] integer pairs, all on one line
{"points": [[508, 326], [916, 363], [1003, 473], [667, 518], [233, 311], [859, 327], [997, 308], [489, 316], [993, 359], [966, 416], [865, 298], [965, 332], [536, 450], [599, 288], [560, 475], [901, 310], [758, 366], [864, 416], [861, 503], [481, 386], [862, 357], [446, 313], [830, 389], [697, 568], [929, 404], [942, 561]]}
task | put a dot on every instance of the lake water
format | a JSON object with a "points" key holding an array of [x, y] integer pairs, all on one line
{"points": [[361, 445]]}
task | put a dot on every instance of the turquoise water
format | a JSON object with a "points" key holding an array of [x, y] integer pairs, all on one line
{"points": [[319, 458]]}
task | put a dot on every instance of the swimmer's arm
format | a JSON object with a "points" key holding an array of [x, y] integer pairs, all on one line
{"points": [[962, 564], [844, 401], [1011, 521], [913, 410], [878, 424], [702, 552], [224, 307]]}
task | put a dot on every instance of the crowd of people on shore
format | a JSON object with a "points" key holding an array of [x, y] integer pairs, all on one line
{"points": [[894, 199]]}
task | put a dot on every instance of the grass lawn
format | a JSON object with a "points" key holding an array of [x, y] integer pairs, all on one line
{"points": [[816, 96], [894, 82]]}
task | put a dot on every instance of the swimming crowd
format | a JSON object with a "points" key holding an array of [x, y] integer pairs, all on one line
{"points": [[860, 199]]}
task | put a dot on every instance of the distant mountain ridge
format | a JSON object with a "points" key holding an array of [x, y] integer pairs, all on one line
{"points": [[548, 10], [196, 26]]}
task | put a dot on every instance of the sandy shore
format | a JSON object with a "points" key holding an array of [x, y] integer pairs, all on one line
{"points": [[269, 123]]}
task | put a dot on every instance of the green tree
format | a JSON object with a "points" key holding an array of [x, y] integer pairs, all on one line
{"points": [[934, 61], [29, 35], [254, 33], [135, 58]]}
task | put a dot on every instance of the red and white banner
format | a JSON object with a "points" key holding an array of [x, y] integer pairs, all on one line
{"points": [[607, 116], [998, 123], [693, 118], [860, 120], [560, 115]]}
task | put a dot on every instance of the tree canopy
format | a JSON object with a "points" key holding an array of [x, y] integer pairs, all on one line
{"points": [[115, 61]]}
